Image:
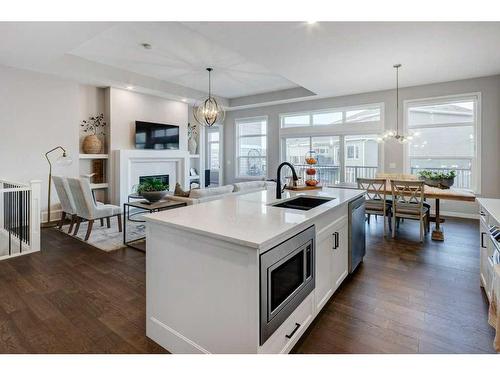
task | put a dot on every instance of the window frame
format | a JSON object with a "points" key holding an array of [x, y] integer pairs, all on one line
{"points": [[476, 124], [337, 130], [237, 157], [343, 127]]}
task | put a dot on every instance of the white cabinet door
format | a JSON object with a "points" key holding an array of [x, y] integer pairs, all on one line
{"points": [[331, 259], [485, 251], [324, 258], [340, 261]]}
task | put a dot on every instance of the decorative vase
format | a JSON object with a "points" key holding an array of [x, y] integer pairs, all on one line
{"points": [[92, 144], [154, 196], [192, 146]]}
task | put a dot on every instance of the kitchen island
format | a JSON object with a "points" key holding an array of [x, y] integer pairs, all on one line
{"points": [[205, 277]]}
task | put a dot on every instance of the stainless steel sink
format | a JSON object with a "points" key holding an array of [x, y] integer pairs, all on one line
{"points": [[303, 203]]}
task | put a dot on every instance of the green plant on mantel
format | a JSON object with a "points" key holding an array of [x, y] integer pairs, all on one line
{"points": [[431, 175], [151, 185]]}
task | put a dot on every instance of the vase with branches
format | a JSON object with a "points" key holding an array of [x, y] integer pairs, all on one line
{"points": [[95, 126], [192, 134]]}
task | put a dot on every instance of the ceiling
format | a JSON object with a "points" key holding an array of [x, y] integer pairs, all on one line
{"points": [[251, 59], [180, 55]]}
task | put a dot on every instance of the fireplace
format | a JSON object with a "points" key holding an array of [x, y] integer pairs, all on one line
{"points": [[159, 177], [132, 166]]}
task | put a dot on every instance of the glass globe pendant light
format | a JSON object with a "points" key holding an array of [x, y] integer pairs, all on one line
{"points": [[208, 112], [391, 134]]}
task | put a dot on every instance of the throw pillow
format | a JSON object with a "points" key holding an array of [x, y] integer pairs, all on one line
{"points": [[179, 192]]}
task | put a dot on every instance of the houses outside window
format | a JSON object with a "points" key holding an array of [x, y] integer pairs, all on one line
{"points": [[446, 134], [344, 139], [251, 147]]}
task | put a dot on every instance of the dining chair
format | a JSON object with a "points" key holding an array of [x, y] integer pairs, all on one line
{"points": [[397, 176], [408, 203], [407, 177], [376, 202], [88, 209]]}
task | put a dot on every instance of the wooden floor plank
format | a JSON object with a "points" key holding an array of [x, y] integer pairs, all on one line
{"points": [[406, 297]]}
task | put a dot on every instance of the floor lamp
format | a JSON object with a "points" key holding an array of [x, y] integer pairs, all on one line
{"points": [[64, 159]]}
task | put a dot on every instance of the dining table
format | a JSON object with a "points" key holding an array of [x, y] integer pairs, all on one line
{"points": [[430, 192]]}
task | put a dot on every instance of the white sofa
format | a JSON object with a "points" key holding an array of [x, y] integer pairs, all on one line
{"points": [[209, 194]]}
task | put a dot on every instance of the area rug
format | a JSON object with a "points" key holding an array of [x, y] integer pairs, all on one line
{"points": [[108, 239]]}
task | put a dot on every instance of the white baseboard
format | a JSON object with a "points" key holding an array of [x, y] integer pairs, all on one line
{"points": [[462, 215], [54, 215]]}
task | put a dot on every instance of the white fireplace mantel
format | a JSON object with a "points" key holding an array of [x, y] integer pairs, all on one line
{"points": [[130, 164]]}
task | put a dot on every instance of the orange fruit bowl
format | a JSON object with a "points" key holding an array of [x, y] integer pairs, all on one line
{"points": [[312, 182]]}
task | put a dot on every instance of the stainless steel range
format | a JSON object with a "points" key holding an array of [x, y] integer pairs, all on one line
{"points": [[287, 276]]}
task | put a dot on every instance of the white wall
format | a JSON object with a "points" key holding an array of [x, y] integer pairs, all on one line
{"points": [[124, 107], [37, 113], [91, 103], [393, 152]]}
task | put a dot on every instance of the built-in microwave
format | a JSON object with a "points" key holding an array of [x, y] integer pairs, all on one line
{"points": [[287, 277]]}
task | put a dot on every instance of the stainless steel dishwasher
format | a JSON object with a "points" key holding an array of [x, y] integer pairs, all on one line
{"points": [[357, 233]]}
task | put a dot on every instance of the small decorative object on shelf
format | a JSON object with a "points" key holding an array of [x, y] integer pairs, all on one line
{"points": [[95, 126], [153, 190], [442, 180], [311, 159], [192, 133]]}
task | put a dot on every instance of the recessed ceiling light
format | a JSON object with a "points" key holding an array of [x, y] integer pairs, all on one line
{"points": [[184, 100], [146, 45], [129, 87], [311, 22]]}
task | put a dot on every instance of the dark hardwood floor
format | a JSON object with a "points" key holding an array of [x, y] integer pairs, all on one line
{"points": [[405, 298], [408, 297]]}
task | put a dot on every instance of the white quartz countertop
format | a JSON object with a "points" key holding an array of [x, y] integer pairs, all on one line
{"points": [[492, 206], [248, 219]]}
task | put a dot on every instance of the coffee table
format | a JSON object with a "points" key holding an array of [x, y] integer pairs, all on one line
{"points": [[145, 206]]}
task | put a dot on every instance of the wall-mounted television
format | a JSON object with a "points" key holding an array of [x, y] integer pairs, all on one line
{"points": [[154, 136]]}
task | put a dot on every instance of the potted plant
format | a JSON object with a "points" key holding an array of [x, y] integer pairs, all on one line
{"points": [[153, 190], [95, 126], [442, 180]]}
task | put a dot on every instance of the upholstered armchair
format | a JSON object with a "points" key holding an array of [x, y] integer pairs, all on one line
{"points": [[88, 209]]}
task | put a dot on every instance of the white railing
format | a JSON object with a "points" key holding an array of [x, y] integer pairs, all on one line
{"points": [[19, 218]]}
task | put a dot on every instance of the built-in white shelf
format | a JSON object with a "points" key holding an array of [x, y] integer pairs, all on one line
{"points": [[194, 177], [195, 156], [104, 185], [94, 156]]}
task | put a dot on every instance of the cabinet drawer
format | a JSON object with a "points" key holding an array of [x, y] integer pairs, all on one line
{"points": [[293, 327]]}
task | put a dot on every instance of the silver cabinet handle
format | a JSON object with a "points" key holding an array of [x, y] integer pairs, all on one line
{"points": [[482, 240], [289, 336]]}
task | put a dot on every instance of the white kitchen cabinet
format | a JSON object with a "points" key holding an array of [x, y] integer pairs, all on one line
{"points": [[486, 250], [340, 257], [331, 260]]}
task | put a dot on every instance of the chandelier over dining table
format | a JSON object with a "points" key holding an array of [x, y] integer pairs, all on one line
{"points": [[394, 134], [208, 111]]}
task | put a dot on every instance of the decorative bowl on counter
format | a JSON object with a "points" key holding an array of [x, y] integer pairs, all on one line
{"points": [[312, 182]]}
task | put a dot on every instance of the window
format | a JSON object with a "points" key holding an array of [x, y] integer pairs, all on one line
{"points": [[344, 139], [361, 156], [360, 114], [213, 141], [251, 147], [445, 132], [352, 151]]}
